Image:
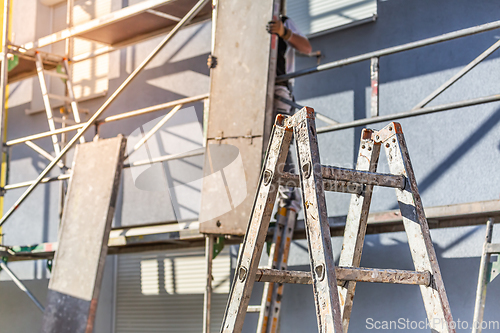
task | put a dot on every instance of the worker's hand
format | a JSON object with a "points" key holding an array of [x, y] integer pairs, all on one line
{"points": [[276, 27]]}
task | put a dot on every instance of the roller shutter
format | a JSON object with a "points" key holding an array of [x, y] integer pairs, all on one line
{"points": [[163, 291], [314, 17]]}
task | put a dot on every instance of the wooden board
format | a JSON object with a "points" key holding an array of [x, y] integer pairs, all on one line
{"points": [[231, 175], [242, 86], [83, 238], [240, 105], [27, 68], [144, 23]]}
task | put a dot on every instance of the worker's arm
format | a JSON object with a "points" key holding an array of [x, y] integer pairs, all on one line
{"points": [[298, 42]]}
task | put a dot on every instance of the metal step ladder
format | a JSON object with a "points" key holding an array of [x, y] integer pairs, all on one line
{"points": [[272, 294], [334, 286], [66, 77], [488, 271]]}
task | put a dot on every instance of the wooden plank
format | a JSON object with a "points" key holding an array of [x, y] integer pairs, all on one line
{"points": [[451, 212], [172, 234], [242, 86], [82, 245], [125, 24], [27, 68], [231, 173], [240, 105], [144, 23], [417, 229]]}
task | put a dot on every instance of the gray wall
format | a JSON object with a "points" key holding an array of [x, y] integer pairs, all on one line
{"points": [[452, 152]]}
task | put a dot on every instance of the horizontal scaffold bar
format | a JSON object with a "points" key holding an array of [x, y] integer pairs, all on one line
{"points": [[120, 116], [392, 50], [410, 113], [44, 180]]}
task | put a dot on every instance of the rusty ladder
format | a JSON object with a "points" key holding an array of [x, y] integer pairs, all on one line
{"points": [[488, 271], [270, 308], [334, 286]]}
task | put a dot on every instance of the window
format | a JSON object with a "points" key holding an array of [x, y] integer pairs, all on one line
{"points": [[316, 17]]}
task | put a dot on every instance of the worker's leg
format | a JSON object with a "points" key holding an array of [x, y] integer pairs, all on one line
{"points": [[288, 197]]}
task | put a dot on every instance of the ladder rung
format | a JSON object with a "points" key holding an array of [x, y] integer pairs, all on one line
{"points": [[493, 248], [290, 179], [254, 308], [65, 121], [363, 177], [61, 98], [347, 274], [279, 276], [56, 74], [394, 276]]}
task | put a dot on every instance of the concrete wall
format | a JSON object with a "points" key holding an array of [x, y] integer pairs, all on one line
{"points": [[454, 153]]}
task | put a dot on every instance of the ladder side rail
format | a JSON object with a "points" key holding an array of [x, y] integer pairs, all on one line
{"points": [[46, 101], [283, 265], [255, 236], [71, 95], [317, 227], [356, 223], [274, 254], [482, 281], [207, 297], [417, 229]]}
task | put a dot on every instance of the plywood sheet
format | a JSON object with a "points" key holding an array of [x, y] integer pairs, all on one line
{"points": [[242, 84], [240, 107], [83, 239], [231, 174]]}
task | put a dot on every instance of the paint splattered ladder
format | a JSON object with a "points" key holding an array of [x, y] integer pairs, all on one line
{"points": [[334, 286]]}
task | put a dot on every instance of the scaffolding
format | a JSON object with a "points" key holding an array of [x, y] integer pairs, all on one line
{"points": [[152, 18]]}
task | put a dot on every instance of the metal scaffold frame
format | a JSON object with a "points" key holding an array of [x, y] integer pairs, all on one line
{"points": [[447, 216], [419, 109]]}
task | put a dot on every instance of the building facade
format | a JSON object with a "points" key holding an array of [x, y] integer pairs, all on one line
{"points": [[455, 155]]}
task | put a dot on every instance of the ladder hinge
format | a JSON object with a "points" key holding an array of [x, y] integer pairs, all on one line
{"points": [[220, 136], [249, 136]]}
